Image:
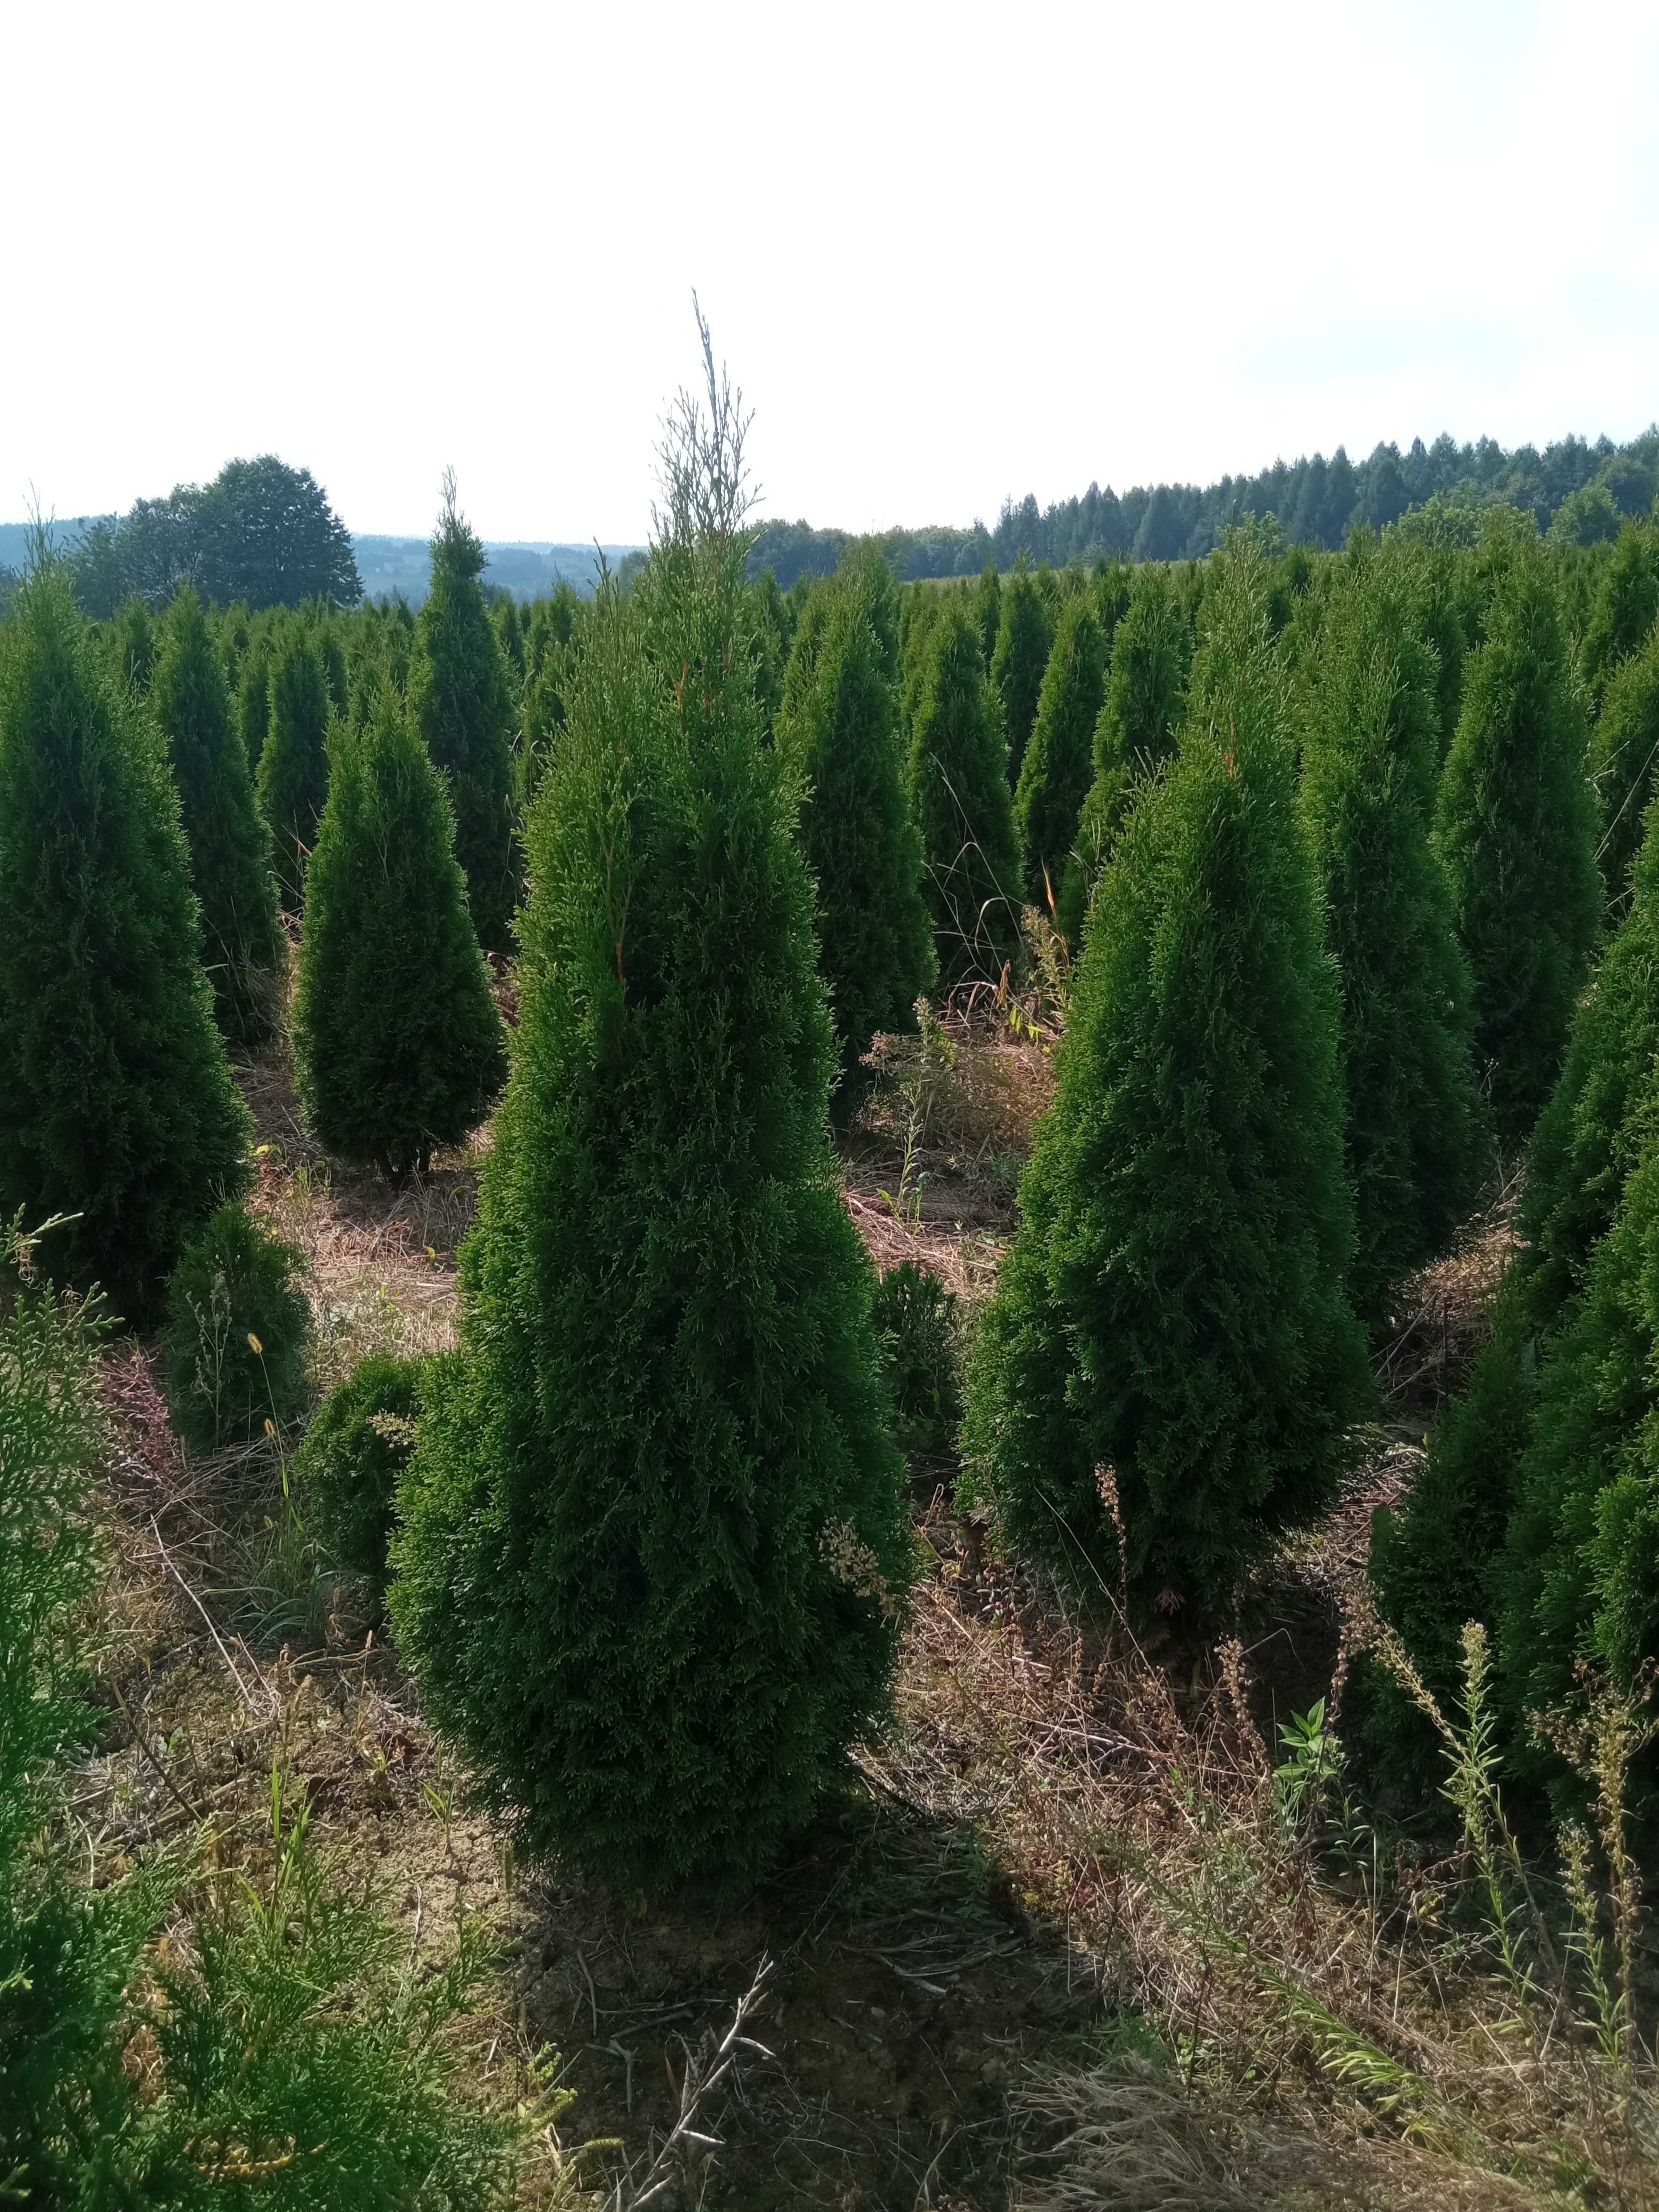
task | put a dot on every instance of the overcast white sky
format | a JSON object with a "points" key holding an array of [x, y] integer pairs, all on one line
{"points": [[951, 251]]}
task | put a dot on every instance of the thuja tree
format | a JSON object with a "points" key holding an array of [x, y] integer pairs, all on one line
{"points": [[293, 775], [1170, 1337], [1515, 829], [1058, 763], [397, 1047], [253, 699], [957, 775], [229, 847], [1579, 1578], [1623, 746], [117, 1106], [132, 647], [653, 1556], [1590, 1132], [875, 935], [462, 702], [1025, 633], [1371, 746], [987, 609], [1146, 696], [1624, 609]]}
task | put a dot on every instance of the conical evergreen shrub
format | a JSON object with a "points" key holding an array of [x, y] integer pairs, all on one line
{"points": [[229, 847], [1516, 830], [1025, 636], [875, 934], [1370, 746], [1624, 608], [253, 700], [398, 1048], [1058, 763], [654, 1557], [132, 645], [1579, 1577], [462, 704], [1623, 747], [355, 1449], [116, 1100], [987, 609], [1140, 713], [1590, 1132], [293, 778], [1170, 1328], [1435, 1561], [956, 776]]}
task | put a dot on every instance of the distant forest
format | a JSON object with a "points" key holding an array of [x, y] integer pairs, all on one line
{"points": [[1579, 491]]}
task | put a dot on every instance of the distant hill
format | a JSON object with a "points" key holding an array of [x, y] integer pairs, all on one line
{"points": [[391, 565]]}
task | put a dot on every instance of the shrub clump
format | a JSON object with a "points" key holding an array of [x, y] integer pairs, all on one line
{"points": [[398, 1046], [230, 848], [116, 1105], [839, 729], [957, 775], [1369, 761], [1516, 828], [238, 1330], [653, 1558], [1172, 1319], [915, 1322], [354, 1456]]}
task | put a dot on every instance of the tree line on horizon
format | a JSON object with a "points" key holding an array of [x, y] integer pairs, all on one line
{"points": [[1580, 490]]}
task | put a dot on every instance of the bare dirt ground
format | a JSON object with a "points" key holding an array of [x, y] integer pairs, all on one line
{"points": [[959, 1927]]}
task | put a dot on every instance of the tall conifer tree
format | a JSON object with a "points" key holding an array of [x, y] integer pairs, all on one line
{"points": [[1172, 1316], [1370, 767], [1055, 774], [116, 1105], [462, 707], [293, 777], [840, 734], [654, 1556], [956, 776], [229, 846], [1515, 829], [1623, 748], [1025, 634], [987, 606], [1625, 607], [398, 1046]]}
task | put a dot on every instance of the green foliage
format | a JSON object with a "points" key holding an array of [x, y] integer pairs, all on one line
{"points": [[133, 648], [1432, 1562], [1623, 745], [1591, 1131], [1370, 751], [230, 849], [1516, 830], [253, 700], [355, 1452], [1139, 719], [840, 736], [1578, 1579], [1025, 635], [233, 1351], [1624, 609], [1056, 772], [1173, 1311], [293, 773], [462, 704], [916, 1322], [397, 1047], [116, 1105], [292, 2051], [987, 609], [653, 1555], [955, 773]]}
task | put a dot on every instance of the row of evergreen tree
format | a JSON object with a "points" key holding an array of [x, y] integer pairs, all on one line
{"points": [[1323, 834]]}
